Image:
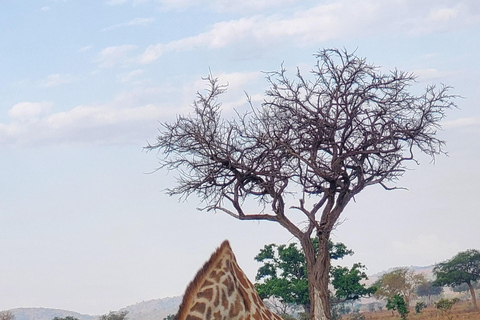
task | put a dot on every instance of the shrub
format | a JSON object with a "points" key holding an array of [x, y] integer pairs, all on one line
{"points": [[398, 303], [445, 305], [419, 306]]}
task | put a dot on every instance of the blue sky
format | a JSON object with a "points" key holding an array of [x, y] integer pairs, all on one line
{"points": [[84, 84]]}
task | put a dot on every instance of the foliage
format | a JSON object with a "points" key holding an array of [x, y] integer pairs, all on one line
{"points": [[400, 281], [6, 315], [283, 275], [347, 282], [445, 305], [324, 139], [464, 267], [396, 302], [464, 287], [121, 315], [419, 306], [65, 318], [427, 289], [169, 317]]}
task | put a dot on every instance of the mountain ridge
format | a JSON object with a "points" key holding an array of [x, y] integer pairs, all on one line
{"points": [[155, 309]]}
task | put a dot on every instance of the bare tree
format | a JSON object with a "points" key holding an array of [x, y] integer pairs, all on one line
{"points": [[319, 140], [6, 315]]}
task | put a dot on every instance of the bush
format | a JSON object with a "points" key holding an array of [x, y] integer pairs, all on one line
{"points": [[398, 303], [445, 305], [420, 306]]}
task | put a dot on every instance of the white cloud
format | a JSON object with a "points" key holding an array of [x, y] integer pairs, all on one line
{"points": [[26, 111], [248, 5], [134, 22], [443, 14], [57, 79], [130, 117], [116, 55], [326, 21], [462, 123]]}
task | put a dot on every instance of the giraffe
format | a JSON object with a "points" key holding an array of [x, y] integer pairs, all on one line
{"points": [[221, 291]]}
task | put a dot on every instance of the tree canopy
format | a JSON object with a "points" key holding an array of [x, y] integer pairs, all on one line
{"points": [[284, 275], [120, 315], [320, 139], [428, 289], [463, 268], [400, 281]]}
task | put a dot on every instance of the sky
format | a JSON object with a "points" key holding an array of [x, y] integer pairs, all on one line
{"points": [[85, 224]]}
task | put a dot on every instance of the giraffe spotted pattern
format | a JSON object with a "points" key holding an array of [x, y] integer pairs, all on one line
{"points": [[221, 291]]}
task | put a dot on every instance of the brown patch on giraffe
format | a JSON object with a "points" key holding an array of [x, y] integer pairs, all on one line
{"points": [[236, 307], [206, 294], [208, 314], [208, 283], [199, 307], [229, 284], [243, 280], [216, 276], [217, 316], [216, 302], [257, 315]]}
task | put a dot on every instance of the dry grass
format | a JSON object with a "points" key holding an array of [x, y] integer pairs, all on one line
{"points": [[460, 311]]}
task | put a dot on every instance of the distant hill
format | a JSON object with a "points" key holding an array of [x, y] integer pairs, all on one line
{"points": [[47, 314], [153, 309], [146, 310], [427, 271]]}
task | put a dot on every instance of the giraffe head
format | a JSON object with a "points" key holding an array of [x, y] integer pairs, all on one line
{"points": [[221, 291]]}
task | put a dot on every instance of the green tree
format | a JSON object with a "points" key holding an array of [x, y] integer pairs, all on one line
{"points": [[464, 287], [321, 139], [419, 306], [428, 289], [462, 268], [65, 318], [283, 275], [120, 315], [396, 302], [348, 283], [400, 281], [445, 305]]}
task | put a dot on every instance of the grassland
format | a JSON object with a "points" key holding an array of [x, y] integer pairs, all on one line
{"points": [[461, 311]]}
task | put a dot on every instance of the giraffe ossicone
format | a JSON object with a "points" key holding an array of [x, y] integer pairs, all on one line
{"points": [[222, 291]]}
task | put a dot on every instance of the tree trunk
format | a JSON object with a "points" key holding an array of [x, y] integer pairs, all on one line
{"points": [[474, 298], [318, 270]]}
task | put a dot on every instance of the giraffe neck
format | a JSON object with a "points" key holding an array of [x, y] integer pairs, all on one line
{"points": [[220, 291]]}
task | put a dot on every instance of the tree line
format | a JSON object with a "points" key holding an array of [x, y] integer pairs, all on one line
{"points": [[282, 279]]}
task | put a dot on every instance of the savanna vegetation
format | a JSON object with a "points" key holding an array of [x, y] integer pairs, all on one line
{"points": [[448, 292]]}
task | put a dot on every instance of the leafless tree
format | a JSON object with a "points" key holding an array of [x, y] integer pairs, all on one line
{"points": [[320, 139], [6, 315]]}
